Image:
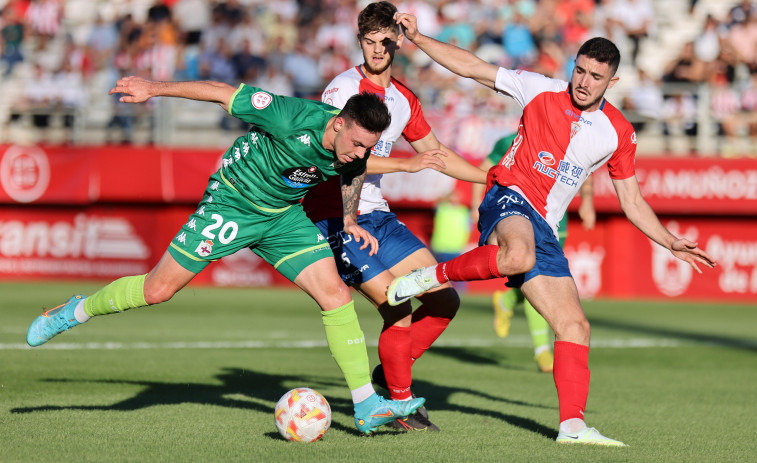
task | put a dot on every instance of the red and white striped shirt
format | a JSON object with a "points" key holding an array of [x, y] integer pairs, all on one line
{"points": [[558, 146], [324, 201]]}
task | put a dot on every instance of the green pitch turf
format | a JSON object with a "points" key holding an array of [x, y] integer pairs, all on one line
{"points": [[196, 379]]}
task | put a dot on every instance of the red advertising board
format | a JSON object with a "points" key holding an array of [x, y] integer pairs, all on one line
{"points": [[105, 212]]}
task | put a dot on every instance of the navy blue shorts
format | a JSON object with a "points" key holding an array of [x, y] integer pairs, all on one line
{"points": [[501, 202], [355, 266]]}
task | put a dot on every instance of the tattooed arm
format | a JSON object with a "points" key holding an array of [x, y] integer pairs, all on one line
{"points": [[351, 187]]}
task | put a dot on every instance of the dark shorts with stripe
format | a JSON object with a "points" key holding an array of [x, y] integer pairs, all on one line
{"points": [[501, 202]]}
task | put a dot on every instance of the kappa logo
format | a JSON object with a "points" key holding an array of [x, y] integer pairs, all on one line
{"points": [[260, 100], [192, 224], [633, 138], [305, 139], [204, 248], [182, 238]]}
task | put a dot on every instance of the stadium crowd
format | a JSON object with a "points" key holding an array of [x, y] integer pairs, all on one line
{"points": [[61, 54]]}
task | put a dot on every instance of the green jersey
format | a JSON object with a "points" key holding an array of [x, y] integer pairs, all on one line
{"points": [[282, 156], [500, 148]]}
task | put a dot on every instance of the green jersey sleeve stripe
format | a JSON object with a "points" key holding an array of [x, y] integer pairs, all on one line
{"points": [[290, 256], [190, 256], [234, 97]]}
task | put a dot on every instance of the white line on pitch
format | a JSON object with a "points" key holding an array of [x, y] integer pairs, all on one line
{"points": [[515, 342]]}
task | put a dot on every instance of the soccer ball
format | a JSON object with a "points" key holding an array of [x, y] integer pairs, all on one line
{"points": [[302, 415]]}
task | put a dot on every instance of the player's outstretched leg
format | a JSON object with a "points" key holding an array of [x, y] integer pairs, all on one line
{"points": [[54, 321], [414, 283], [588, 436], [376, 411], [418, 421], [503, 303]]}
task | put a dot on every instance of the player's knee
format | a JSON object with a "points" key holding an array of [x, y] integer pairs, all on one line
{"points": [[573, 330], [514, 261], [156, 294]]}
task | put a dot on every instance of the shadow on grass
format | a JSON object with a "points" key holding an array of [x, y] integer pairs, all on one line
{"points": [[239, 388], [700, 338], [256, 391]]}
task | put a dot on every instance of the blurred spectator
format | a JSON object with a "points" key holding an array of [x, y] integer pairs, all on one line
{"points": [[44, 20], [302, 67], [70, 95], [643, 102], [725, 108], [707, 43], [426, 13], [679, 114], [457, 28], [575, 18], [518, 42], [686, 67], [102, 42], [740, 13], [12, 36], [247, 64], [636, 18], [743, 38], [192, 17]]}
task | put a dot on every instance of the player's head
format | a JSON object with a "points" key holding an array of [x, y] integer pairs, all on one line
{"points": [[596, 63], [359, 126], [378, 35]]}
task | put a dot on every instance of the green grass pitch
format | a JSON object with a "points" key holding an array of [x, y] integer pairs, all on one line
{"points": [[197, 378]]}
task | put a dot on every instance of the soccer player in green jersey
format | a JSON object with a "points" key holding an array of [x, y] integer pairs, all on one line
{"points": [[253, 201], [505, 301]]}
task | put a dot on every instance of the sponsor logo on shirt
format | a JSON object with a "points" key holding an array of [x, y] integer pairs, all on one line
{"points": [[260, 100], [305, 139], [565, 173], [547, 158], [574, 115], [302, 177]]}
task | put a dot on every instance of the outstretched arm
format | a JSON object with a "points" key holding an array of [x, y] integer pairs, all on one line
{"points": [[351, 187], [457, 60], [138, 90], [643, 217], [431, 155]]}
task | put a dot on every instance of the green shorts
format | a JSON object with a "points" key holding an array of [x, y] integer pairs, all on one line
{"points": [[226, 222]]}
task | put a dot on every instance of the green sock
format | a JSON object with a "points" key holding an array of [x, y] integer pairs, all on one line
{"points": [[347, 344], [123, 294], [537, 325]]}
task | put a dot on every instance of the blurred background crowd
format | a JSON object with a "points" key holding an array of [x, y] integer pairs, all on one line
{"points": [[688, 77]]}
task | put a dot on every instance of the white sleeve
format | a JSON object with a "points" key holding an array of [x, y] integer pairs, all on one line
{"points": [[523, 86], [339, 90]]}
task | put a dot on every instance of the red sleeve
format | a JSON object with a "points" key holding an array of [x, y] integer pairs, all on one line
{"points": [[416, 127], [622, 162]]}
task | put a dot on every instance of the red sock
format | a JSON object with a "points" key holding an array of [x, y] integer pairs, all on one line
{"points": [[571, 373], [425, 329], [477, 264], [394, 353]]}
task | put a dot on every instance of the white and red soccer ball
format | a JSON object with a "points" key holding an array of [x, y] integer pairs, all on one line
{"points": [[302, 415]]}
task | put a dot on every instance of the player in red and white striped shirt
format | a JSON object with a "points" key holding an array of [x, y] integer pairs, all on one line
{"points": [[566, 132], [405, 335]]}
